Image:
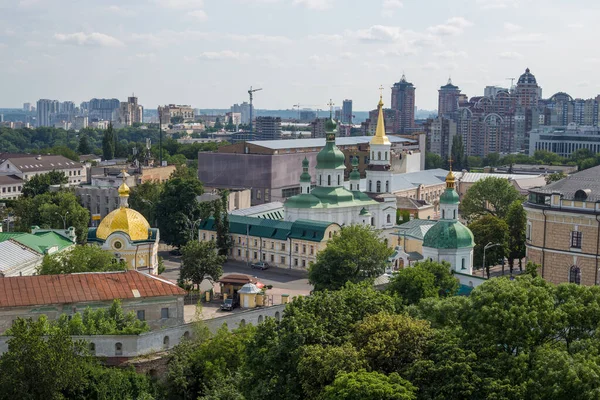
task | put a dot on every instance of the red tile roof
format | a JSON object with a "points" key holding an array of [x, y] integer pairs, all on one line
{"points": [[85, 287]]}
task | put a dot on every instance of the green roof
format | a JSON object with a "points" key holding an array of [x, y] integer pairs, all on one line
{"points": [[270, 229], [39, 242], [448, 234], [449, 197], [416, 228], [331, 157], [305, 200], [330, 197]]}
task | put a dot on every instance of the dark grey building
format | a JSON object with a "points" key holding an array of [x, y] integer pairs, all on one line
{"points": [[347, 112], [268, 128]]}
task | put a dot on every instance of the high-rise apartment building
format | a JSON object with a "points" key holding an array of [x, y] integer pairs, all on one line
{"points": [[130, 112], [103, 109], [527, 90], [268, 128], [243, 109], [440, 134], [347, 112], [171, 110], [27, 107], [317, 127], [403, 100], [45, 110], [67, 107], [448, 96], [492, 91]]}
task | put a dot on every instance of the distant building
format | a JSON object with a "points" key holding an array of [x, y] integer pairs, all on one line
{"points": [[448, 96], [307, 115], [130, 113], [347, 112], [27, 166], [403, 100], [440, 134], [171, 110], [27, 107], [10, 187], [562, 228], [268, 128], [80, 122], [244, 110], [564, 140], [45, 110], [67, 107], [492, 91], [103, 109], [527, 90], [317, 127]]}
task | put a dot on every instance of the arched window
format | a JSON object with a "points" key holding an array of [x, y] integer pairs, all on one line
{"points": [[372, 156], [372, 221], [118, 349], [242, 323], [328, 180], [575, 275], [166, 342], [186, 335], [301, 189], [387, 186], [379, 155], [443, 214], [339, 180], [463, 264], [350, 187], [320, 180], [454, 214], [378, 186], [370, 186], [389, 219], [92, 349]]}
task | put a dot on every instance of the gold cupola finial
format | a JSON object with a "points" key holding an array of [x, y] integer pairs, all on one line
{"points": [[450, 178], [380, 137]]}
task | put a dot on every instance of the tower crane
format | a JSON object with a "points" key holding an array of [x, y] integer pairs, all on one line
{"points": [[512, 82], [251, 93]]}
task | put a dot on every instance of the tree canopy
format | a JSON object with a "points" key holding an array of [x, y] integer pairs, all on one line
{"points": [[40, 184], [200, 260], [354, 254], [489, 196], [426, 279], [80, 259], [493, 231]]}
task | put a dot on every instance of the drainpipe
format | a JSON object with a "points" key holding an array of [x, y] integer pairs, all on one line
{"points": [[290, 257], [544, 244]]}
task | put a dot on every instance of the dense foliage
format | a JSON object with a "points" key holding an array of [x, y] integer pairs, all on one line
{"points": [[354, 254], [489, 196], [40, 184], [80, 259], [200, 260]]}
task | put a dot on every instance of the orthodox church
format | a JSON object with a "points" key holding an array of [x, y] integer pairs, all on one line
{"points": [[331, 201], [128, 235]]}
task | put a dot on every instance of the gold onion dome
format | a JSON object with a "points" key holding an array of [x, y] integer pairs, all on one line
{"points": [[123, 189], [124, 220]]}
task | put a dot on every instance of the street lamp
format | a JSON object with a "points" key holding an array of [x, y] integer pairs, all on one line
{"points": [[487, 246], [192, 224], [64, 219]]}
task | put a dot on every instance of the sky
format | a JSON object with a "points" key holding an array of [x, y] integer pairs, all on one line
{"points": [[208, 53]]}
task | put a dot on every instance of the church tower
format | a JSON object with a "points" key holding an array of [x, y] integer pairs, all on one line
{"points": [[305, 178], [379, 174], [330, 161]]}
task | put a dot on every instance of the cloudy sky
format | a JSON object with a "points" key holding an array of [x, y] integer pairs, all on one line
{"points": [[208, 52]]}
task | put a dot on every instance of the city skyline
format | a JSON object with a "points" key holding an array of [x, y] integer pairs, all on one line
{"points": [[208, 53]]}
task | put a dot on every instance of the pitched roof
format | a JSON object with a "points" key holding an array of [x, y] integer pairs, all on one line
{"points": [[10, 179], [587, 180], [416, 228], [40, 242], [36, 290], [415, 179], [12, 255], [43, 163], [477, 176]]}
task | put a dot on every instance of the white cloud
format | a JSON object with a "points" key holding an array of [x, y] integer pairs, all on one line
{"points": [[199, 15], [430, 66], [88, 39], [377, 66], [180, 4], [169, 37], [510, 55], [223, 55], [389, 7], [3, 45], [315, 4], [348, 55], [259, 38], [453, 26], [124, 12], [451, 54], [496, 4], [510, 27], [576, 25], [333, 39], [525, 38]]}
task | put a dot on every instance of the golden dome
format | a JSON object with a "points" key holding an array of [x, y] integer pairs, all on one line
{"points": [[123, 189], [124, 220]]}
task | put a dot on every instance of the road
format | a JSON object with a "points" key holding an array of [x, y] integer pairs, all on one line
{"points": [[293, 281]]}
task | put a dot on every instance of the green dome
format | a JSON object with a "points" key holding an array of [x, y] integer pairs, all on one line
{"points": [[449, 197], [305, 163], [448, 235], [305, 200], [305, 177], [355, 175], [330, 125], [331, 157]]}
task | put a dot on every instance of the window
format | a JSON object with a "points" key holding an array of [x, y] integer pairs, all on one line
{"points": [[93, 348], [295, 262], [282, 246], [312, 250], [239, 239], [387, 186], [296, 248], [328, 180], [576, 238], [330, 234], [389, 219], [118, 349], [339, 180], [372, 221], [575, 275], [141, 315], [528, 233], [255, 255], [320, 180], [378, 186], [272, 245], [255, 242], [370, 186], [239, 252], [166, 342], [303, 263], [272, 258], [164, 313], [378, 155], [258, 195], [204, 236], [282, 260], [304, 249], [462, 264], [264, 256], [385, 155], [443, 214]]}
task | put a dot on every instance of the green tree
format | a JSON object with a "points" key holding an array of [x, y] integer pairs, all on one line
{"points": [[40, 184], [547, 157], [433, 161], [108, 143], [355, 254], [48, 210], [369, 386], [426, 279], [492, 160], [178, 210], [554, 177], [80, 259], [224, 241], [475, 162], [177, 120], [489, 196], [200, 260], [84, 145], [489, 230], [459, 158], [144, 199], [516, 219]]}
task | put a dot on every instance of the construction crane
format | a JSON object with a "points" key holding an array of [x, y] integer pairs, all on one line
{"points": [[512, 82], [251, 93]]}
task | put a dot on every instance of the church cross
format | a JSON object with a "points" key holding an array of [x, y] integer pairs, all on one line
{"points": [[381, 91], [331, 104]]}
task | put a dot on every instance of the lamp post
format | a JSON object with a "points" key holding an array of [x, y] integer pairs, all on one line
{"points": [[192, 224], [64, 219], [487, 246]]}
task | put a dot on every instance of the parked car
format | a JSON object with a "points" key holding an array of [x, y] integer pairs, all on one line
{"points": [[260, 265], [229, 304]]}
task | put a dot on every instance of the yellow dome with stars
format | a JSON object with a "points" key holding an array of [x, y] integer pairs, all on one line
{"points": [[124, 219]]}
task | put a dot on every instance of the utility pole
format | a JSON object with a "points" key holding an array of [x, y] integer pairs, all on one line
{"points": [[160, 134]]}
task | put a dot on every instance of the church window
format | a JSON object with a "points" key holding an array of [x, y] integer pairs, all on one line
{"points": [[386, 155], [351, 187], [330, 234], [379, 155], [389, 219], [339, 180], [463, 264], [378, 186], [454, 214], [118, 349], [387, 186], [372, 155], [301, 190], [328, 180], [117, 245], [575, 275], [370, 186], [443, 214], [320, 180], [372, 221]]}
